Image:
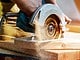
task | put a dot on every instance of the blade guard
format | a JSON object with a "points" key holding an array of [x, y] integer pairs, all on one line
{"points": [[46, 10], [43, 12]]}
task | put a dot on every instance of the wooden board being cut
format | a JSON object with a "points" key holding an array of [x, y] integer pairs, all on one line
{"points": [[70, 41], [66, 48]]}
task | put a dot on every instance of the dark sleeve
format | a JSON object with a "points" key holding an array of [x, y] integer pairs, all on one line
{"points": [[51, 1], [6, 1]]}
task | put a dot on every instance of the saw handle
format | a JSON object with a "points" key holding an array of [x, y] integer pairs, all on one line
{"points": [[10, 15], [6, 15]]}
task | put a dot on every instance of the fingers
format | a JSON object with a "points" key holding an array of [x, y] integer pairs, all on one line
{"points": [[67, 19]]}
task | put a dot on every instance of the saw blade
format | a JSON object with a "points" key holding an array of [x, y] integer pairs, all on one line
{"points": [[48, 21]]}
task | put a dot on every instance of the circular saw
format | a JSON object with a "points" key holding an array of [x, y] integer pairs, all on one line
{"points": [[49, 22]]}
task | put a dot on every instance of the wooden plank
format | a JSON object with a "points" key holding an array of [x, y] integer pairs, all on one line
{"points": [[17, 48], [61, 55], [59, 44], [74, 28], [33, 47], [68, 42], [9, 53], [12, 55]]}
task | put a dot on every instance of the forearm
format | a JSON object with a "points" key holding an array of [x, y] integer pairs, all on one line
{"points": [[28, 6], [51, 1]]}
